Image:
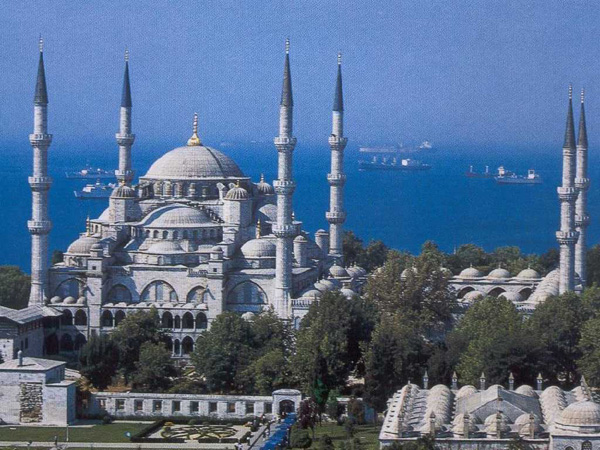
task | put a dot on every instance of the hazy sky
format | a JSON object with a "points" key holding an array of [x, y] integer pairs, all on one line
{"points": [[456, 72]]}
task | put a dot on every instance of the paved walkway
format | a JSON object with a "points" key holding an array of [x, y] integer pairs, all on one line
{"points": [[121, 445]]}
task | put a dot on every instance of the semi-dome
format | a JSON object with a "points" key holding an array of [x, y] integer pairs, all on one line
{"points": [[586, 413], [470, 272], [528, 274], [237, 193], [267, 213], [259, 248], [82, 246], [70, 300], [193, 163], [123, 191], [165, 247], [173, 216], [347, 292], [499, 273]]}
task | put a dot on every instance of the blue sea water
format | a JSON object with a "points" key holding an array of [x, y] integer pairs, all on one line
{"points": [[402, 209]]}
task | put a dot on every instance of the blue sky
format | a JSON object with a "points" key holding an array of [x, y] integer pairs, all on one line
{"points": [[456, 72]]}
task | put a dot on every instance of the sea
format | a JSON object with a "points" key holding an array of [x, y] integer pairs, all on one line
{"points": [[402, 209]]}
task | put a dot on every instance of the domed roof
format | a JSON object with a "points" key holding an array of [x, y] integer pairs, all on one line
{"points": [[322, 287], [526, 390], [82, 246], [193, 163], [300, 238], [267, 213], [584, 413], [348, 293], [338, 271], [470, 297], [470, 272], [458, 426], [173, 216], [465, 391], [259, 248], [81, 300], [353, 271], [123, 191], [263, 187], [528, 274], [491, 424], [499, 273], [165, 247], [69, 300], [56, 299], [312, 294], [237, 193], [514, 297], [248, 316]]}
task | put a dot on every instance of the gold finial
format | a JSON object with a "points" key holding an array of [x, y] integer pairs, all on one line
{"points": [[237, 183], [87, 225], [126, 54], [194, 140], [287, 46], [339, 58], [582, 95], [262, 177], [41, 44], [570, 91], [258, 228]]}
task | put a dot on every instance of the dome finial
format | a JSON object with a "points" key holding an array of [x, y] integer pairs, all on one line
{"points": [[570, 91], [87, 225], [126, 54], [258, 228], [339, 58], [194, 140], [262, 177], [41, 44], [287, 46], [582, 95]]}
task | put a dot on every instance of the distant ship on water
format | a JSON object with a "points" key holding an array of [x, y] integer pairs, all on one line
{"points": [[472, 174], [506, 177], [424, 147], [95, 191], [392, 163], [89, 172]]}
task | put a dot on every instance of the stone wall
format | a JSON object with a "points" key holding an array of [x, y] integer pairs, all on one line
{"points": [[32, 403]]}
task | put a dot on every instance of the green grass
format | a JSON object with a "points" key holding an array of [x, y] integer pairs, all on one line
{"points": [[113, 432], [367, 434]]}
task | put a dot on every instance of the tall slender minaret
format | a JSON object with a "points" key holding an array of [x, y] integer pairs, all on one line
{"points": [[582, 182], [336, 216], [567, 193], [39, 225], [284, 186], [124, 137]]}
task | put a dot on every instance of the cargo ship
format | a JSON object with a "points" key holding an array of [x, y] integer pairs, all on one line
{"points": [[507, 177], [95, 191], [385, 163], [472, 174], [88, 172], [424, 147]]}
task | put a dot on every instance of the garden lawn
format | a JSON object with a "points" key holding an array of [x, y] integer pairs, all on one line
{"points": [[367, 434], [113, 432]]}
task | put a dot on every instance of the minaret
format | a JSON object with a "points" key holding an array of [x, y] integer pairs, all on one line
{"points": [[284, 188], [40, 225], [124, 137], [567, 193], [582, 182], [336, 216]]}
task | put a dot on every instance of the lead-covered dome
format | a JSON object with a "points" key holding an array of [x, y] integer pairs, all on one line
{"points": [[499, 274], [585, 413], [528, 274], [470, 272], [193, 162], [259, 248], [82, 246]]}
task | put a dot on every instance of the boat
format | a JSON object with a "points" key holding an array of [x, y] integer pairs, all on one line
{"points": [[397, 149], [472, 174], [94, 191], [393, 163], [507, 177], [90, 172]]}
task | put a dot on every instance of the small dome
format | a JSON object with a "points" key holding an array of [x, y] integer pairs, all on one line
{"points": [[363, 272], [514, 297], [123, 191], [586, 413], [81, 300], [523, 419], [526, 390], [465, 391], [69, 300], [165, 247], [248, 316], [300, 238], [264, 188], [330, 284], [55, 300], [470, 272], [172, 216], [406, 272], [525, 429], [472, 296], [82, 246], [348, 293], [353, 272], [322, 287], [97, 246], [499, 274], [528, 274], [338, 272], [216, 249], [259, 248], [237, 193], [447, 272], [312, 294], [458, 426], [491, 424]]}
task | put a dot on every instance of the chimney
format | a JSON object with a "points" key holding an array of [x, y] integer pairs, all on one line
{"points": [[531, 426], [425, 380], [539, 380], [454, 381], [511, 382], [20, 356], [482, 381]]}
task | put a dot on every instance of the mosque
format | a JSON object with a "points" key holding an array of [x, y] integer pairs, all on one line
{"points": [[195, 237]]}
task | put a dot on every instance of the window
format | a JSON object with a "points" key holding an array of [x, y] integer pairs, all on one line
{"points": [[67, 318], [119, 316], [81, 318], [248, 294], [188, 321], [138, 405], [212, 407], [194, 407], [201, 321], [587, 445], [196, 295], [268, 408], [159, 291], [157, 405], [249, 408], [102, 404], [176, 406], [107, 319], [120, 404], [118, 294], [231, 407]]}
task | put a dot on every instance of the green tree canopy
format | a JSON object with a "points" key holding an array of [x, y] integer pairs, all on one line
{"points": [[155, 369], [14, 287], [98, 360], [369, 257]]}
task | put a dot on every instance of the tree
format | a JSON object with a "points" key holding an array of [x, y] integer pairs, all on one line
{"points": [[155, 368], [300, 438], [355, 252], [589, 347], [136, 329], [14, 287], [98, 360], [352, 247], [468, 255], [356, 410], [308, 415]]}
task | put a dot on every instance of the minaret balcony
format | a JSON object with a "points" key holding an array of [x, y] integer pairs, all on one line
{"points": [[286, 230], [40, 139], [582, 221], [567, 194], [284, 187], [39, 226], [284, 142], [567, 237], [335, 216], [336, 179], [337, 142], [126, 174], [582, 183], [125, 139], [40, 183]]}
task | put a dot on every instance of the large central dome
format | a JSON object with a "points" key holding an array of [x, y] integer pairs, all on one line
{"points": [[193, 163]]}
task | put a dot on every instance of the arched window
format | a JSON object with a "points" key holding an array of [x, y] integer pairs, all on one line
{"points": [[185, 234], [175, 234], [167, 320], [119, 294], [107, 319], [80, 341], [165, 234], [159, 291], [464, 291], [187, 345], [188, 321], [119, 317], [177, 322], [201, 322], [496, 292], [147, 233], [196, 295], [67, 318], [176, 347], [70, 288], [66, 343], [169, 343], [155, 234], [80, 317], [587, 445], [247, 296], [525, 293]]}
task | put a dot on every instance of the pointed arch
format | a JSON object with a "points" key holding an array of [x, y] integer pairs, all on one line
{"points": [[247, 296], [159, 291], [201, 321], [81, 318], [66, 318], [119, 294], [107, 319], [119, 317], [187, 322], [167, 320], [187, 345], [196, 295], [496, 292], [71, 287], [464, 291]]}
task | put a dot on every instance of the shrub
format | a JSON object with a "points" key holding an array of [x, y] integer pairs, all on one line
{"points": [[325, 443], [106, 419], [300, 438]]}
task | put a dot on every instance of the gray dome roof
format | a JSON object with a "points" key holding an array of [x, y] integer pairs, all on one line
{"points": [[165, 247], [338, 271], [82, 246], [264, 188], [123, 191], [514, 297], [237, 193], [194, 162], [472, 296], [499, 273], [259, 248], [581, 414], [176, 216], [528, 274], [470, 272], [267, 213]]}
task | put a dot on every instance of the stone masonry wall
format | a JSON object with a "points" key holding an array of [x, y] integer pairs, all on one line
{"points": [[32, 403]]}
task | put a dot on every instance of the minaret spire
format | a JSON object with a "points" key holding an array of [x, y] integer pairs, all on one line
{"points": [[567, 194], [284, 229], [582, 183], [124, 137], [336, 216], [39, 226]]}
